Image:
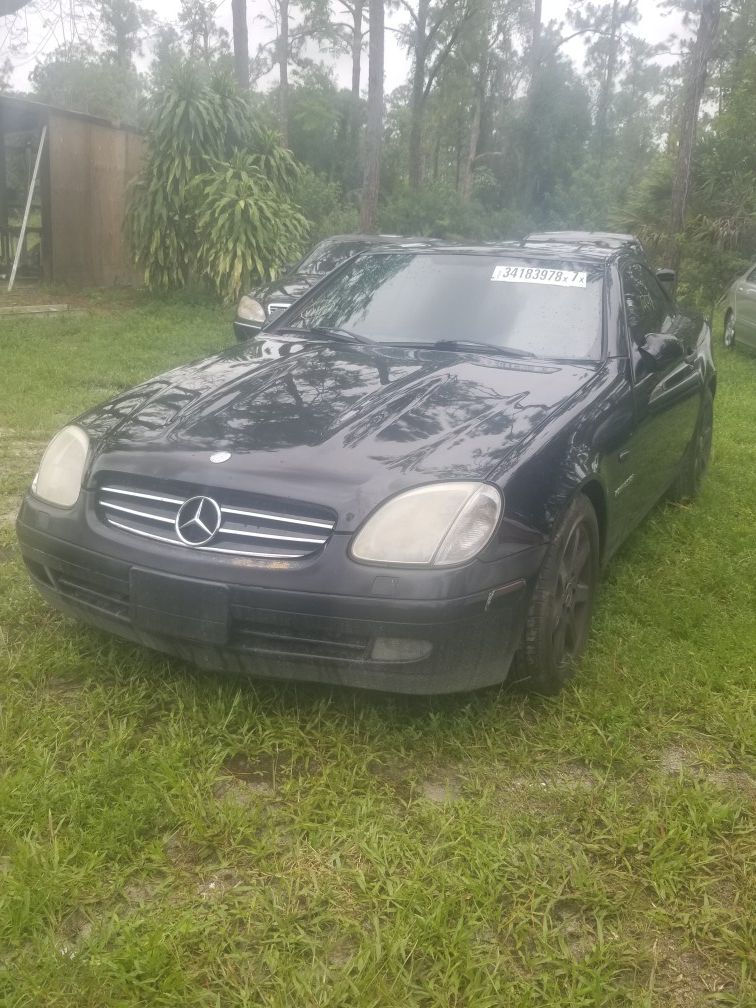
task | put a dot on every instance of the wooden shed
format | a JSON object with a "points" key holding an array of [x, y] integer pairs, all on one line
{"points": [[75, 230]]}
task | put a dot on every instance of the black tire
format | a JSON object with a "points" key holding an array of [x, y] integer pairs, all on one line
{"points": [[559, 617], [696, 462], [729, 331]]}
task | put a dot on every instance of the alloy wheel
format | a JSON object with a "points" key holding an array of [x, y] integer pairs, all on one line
{"points": [[729, 333], [572, 597]]}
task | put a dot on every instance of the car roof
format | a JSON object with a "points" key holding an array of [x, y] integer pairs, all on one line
{"points": [[609, 241], [587, 246], [377, 239]]}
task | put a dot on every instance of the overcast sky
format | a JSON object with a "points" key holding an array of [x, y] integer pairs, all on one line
{"points": [[655, 26]]}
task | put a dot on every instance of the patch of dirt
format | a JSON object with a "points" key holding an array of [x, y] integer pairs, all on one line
{"points": [[577, 934], [138, 891], [396, 778], [243, 793], [260, 769], [65, 694], [219, 884], [567, 777], [543, 791], [683, 978], [23, 448], [733, 780], [676, 761], [99, 302], [182, 853], [248, 777], [341, 952], [442, 788], [75, 930]]}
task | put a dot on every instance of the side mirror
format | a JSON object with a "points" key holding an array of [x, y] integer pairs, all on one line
{"points": [[668, 280], [660, 350]]}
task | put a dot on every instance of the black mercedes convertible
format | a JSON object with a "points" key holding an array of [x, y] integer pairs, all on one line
{"points": [[410, 480]]}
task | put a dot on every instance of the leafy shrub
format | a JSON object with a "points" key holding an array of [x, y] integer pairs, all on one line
{"points": [[213, 200], [246, 226]]}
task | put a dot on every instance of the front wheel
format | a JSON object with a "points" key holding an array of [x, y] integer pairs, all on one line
{"points": [[729, 331], [559, 617]]}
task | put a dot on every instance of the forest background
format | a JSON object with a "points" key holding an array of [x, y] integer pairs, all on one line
{"points": [[497, 130]]}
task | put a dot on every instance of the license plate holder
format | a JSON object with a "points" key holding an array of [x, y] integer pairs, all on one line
{"points": [[179, 607]]}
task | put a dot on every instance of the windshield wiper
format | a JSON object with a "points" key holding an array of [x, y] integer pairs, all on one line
{"points": [[453, 344], [339, 335]]}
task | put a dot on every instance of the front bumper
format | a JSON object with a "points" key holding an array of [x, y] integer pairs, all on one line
{"points": [[244, 619]]}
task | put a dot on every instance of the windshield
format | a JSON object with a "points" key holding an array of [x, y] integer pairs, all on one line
{"points": [[328, 255], [536, 306]]}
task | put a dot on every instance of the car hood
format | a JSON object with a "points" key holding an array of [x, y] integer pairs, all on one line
{"points": [[333, 423]]}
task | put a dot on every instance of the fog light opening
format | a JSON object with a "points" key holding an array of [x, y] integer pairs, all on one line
{"points": [[399, 649]]}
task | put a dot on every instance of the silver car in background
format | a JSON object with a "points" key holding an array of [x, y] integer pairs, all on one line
{"points": [[740, 311]]}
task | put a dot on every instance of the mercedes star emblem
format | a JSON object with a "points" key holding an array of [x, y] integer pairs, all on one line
{"points": [[197, 521], [220, 457]]}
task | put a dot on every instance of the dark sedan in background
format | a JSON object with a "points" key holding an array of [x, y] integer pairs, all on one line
{"points": [[266, 302], [409, 481]]}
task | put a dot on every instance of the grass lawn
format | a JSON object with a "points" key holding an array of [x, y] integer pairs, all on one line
{"points": [[174, 838]]}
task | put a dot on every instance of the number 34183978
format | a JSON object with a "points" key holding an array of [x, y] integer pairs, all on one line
{"points": [[539, 275]]}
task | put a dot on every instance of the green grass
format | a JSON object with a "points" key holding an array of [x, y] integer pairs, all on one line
{"points": [[174, 838]]}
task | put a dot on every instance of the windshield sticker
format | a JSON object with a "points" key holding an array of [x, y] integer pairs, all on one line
{"points": [[539, 275]]}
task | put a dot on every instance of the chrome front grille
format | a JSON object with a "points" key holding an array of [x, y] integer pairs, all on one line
{"points": [[263, 532]]}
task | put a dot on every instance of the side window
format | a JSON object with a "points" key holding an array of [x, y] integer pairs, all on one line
{"points": [[751, 278], [646, 306], [336, 255]]}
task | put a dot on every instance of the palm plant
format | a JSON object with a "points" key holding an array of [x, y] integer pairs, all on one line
{"points": [[212, 201]]}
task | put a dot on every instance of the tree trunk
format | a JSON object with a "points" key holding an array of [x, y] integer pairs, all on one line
{"points": [[283, 70], [437, 156], [354, 119], [695, 83], [374, 133], [466, 183], [481, 81], [607, 86], [241, 43], [527, 184], [417, 100], [458, 149]]}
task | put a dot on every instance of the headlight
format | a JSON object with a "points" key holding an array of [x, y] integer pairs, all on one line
{"points": [[62, 467], [250, 310], [433, 526]]}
